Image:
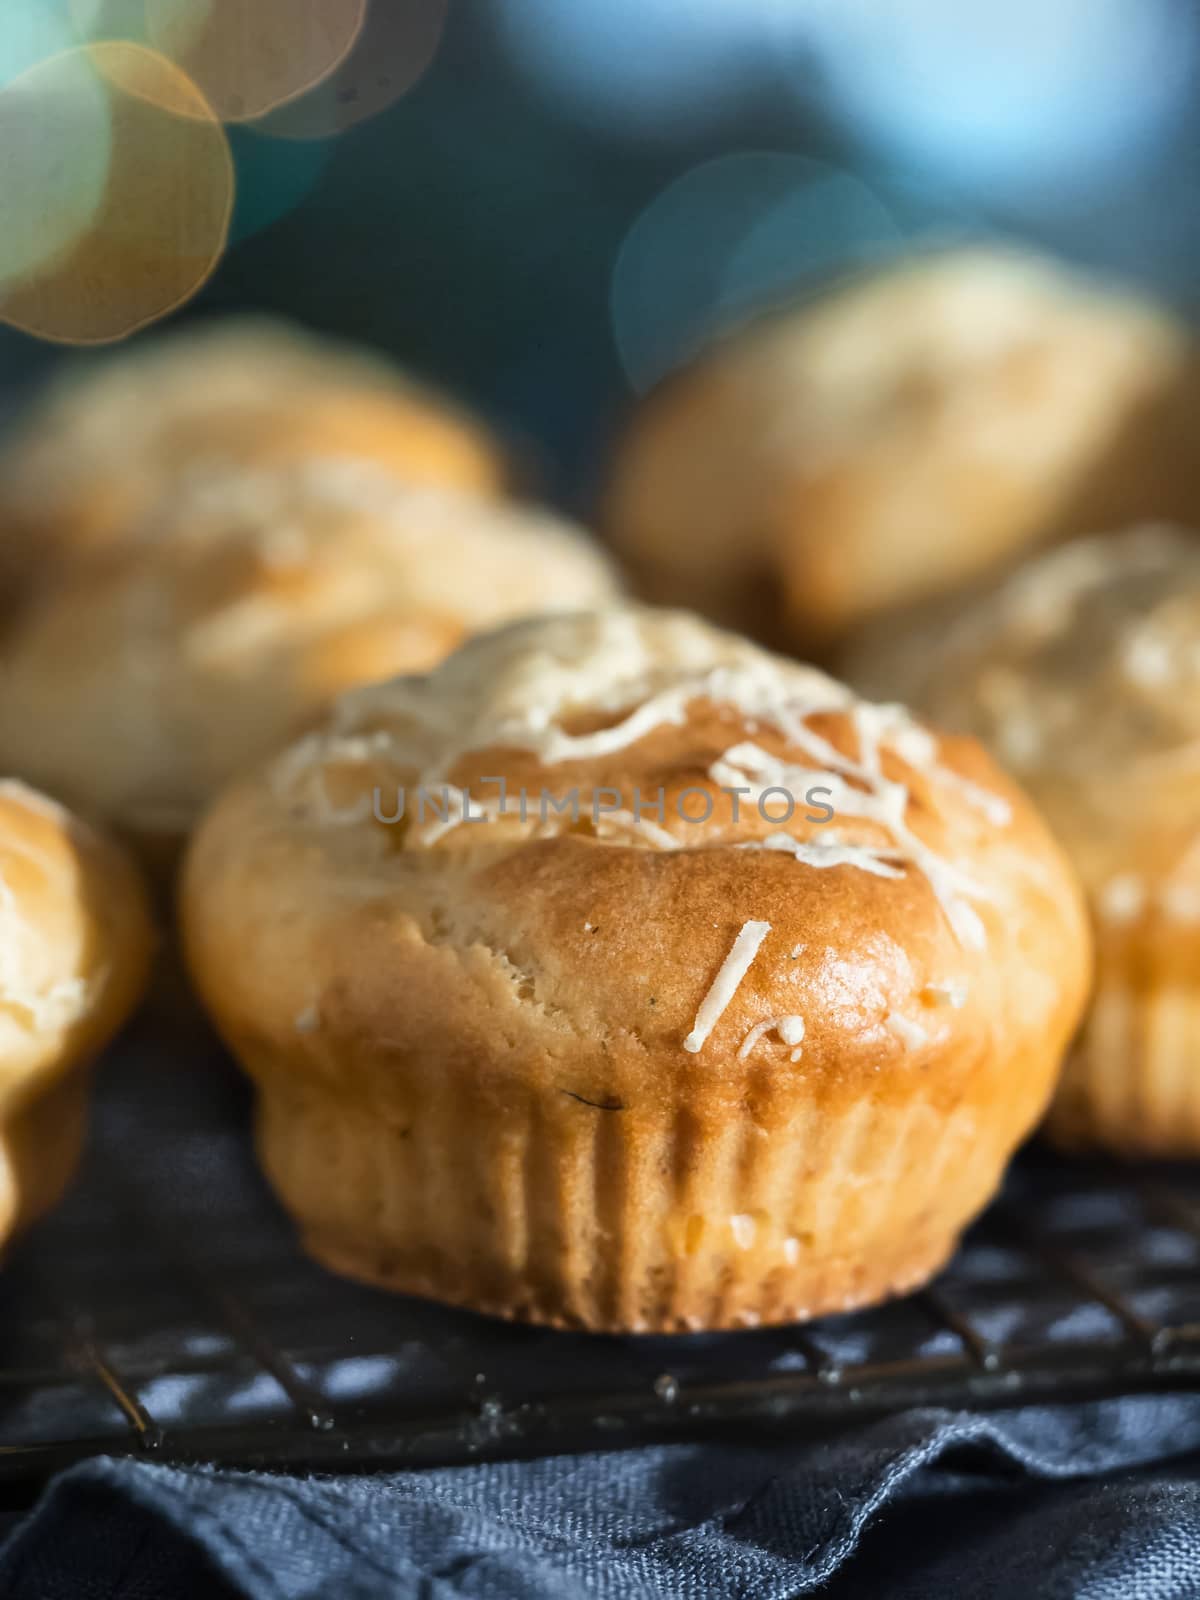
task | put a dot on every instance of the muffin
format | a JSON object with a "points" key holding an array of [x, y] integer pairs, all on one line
{"points": [[141, 681], [102, 447], [73, 960], [1082, 674], [619, 975], [900, 436]]}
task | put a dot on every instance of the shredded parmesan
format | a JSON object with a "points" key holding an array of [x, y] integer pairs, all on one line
{"points": [[993, 806], [47, 1006], [456, 805], [754, 1035], [909, 1033], [831, 852], [659, 837], [648, 672], [946, 994], [56, 1007], [1123, 898], [744, 1228], [790, 1029], [725, 985], [883, 802]]}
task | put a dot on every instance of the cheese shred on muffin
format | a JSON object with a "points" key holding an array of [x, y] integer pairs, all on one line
{"points": [[619, 975]]}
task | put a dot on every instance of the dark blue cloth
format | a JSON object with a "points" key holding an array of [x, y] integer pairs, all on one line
{"points": [[1099, 1501]]}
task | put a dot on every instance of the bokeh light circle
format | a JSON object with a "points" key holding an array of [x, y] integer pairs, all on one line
{"points": [[1015, 96], [733, 236], [162, 217], [246, 56], [31, 31], [397, 43], [56, 138]]}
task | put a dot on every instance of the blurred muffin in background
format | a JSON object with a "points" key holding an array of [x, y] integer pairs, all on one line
{"points": [[105, 442], [247, 600], [74, 955], [899, 437], [1082, 673]]}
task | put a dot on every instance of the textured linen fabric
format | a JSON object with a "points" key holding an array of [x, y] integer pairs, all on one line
{"points": [[1099, 1500]]}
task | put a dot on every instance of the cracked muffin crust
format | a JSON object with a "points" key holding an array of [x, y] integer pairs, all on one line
{"points": [[738, 1060]]}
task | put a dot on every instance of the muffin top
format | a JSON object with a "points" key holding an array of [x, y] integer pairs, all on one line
{"points": [[107, 439], [249, 598], [1081, 672], [979, 348], [671, 844], [1083, 661], [892, 437]]}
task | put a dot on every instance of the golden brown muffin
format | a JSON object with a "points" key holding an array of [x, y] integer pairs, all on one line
{"points": [[74, 954], [594, 1063], [1082, 674], [900, 436], [140, 682], [102, 447]]}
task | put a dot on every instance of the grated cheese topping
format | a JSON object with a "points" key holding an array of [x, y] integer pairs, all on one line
{"points": [[884, 802], [910, 1034], [657, 836], [725, 985], [516, 689], [789, 1028], [950, 993], [744, 1229], [827, 851], [610, 660], [57, 1006], [1123, 898], [50, 1006]]}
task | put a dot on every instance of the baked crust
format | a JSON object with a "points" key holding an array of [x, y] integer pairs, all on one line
{"points": [[488, 1070], [250, 598], [901, 436], [75, 954], [104, 446], [1082, 674]]}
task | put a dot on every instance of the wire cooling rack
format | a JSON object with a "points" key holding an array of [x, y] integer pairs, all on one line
{"points": [[166, 1311]]}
